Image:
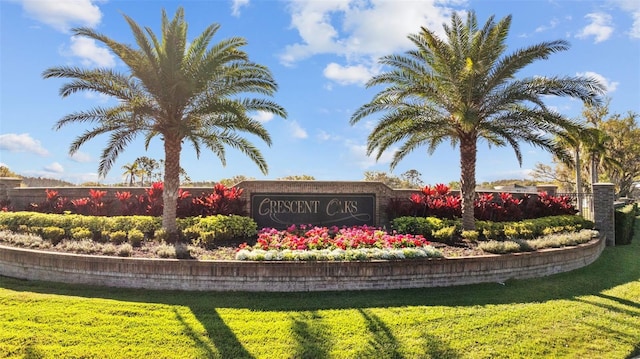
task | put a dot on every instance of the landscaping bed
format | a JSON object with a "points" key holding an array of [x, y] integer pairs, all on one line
{"points": [[232, 237]]}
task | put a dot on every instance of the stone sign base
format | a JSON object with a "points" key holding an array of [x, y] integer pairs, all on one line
{"points": [[194, 275]]}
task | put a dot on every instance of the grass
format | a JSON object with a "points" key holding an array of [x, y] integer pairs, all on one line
{"points": [[588, 313]]}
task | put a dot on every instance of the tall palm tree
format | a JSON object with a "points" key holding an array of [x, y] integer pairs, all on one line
{"points": [[180, 93], [597, 142], [462, 89], [576, 141], [597, 148]]}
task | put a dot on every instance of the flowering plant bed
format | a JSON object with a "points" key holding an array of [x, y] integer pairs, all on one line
{"points": [[333, 243]]}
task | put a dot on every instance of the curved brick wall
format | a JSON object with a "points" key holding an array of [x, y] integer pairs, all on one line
{"points": [[290, 276]]}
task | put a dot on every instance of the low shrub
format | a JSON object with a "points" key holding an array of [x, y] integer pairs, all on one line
{"points": [[440, 230], [109, 249], [445, 235], [118, 237], [28, 240], [220, 228], [337, 254], [80, 233], [136, 237], [563, 239], [161, 235], [166, 251], [84, 246], [52, 234], [424, 226], [500, 247], [470, 235], [125, 250], [549, 241]]}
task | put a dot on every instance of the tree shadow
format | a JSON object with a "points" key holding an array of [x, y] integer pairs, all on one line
{"points": [[31, 352], [223, 339], [382, 340], [310, 335], [383, 343]]}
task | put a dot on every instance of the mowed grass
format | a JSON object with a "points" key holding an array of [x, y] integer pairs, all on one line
{"points": [[593, 312]]}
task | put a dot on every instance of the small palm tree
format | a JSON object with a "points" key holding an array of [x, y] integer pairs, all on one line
{"points": [[462, 89], [148, 166], [131, 171], [180, 93]]}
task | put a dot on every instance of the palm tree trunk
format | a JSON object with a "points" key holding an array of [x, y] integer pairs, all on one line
{"points": [[468, 154], [172, 149], [594, 169]]}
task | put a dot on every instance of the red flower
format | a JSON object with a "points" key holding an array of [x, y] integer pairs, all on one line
{"points": [[96, 194], [442, 189], [123, 196], [51, 195]]}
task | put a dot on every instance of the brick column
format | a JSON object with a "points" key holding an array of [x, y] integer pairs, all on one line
{"points": [[603, 211], [7, 183]]}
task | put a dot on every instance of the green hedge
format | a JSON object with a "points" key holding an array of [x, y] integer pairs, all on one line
{"points": [[208, 231], [625, 219], [527, 229]]}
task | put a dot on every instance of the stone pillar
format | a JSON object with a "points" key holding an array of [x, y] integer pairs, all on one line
{"points": [[7, 183], [603, 212]]}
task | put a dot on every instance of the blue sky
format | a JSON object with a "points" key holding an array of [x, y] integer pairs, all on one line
{"points": [[320, 52]]}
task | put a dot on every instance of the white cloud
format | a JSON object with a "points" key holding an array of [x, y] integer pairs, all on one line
{"points": [[262, 116], [90, 53], [323, 136], [237, 5], [13, 142], [358, 155], [552, 24], [633, 8], [63, 14], [297, 131], [360, 32], [634, 32], [98, 97], [80, 157], [600, 27], [54, 167], [348, 75], [609, 85]]}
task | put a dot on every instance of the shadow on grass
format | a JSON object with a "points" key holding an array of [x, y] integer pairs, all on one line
{"points": [[616, 266], [311, 335], [384, 344], [221, 336], [382, 341]]}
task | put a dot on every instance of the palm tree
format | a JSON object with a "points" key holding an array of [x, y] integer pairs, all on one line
{"points": [[131, 170], [462, 89], [597, 148], [576, 141], [180, 93], [148, 166]]}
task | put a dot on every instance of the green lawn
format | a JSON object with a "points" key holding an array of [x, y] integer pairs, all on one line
{"points": [[593, 312]]}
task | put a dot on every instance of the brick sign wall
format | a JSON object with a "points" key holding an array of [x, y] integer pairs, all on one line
{"points": [[280, 204]]}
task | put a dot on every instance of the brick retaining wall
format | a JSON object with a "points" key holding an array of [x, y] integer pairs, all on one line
{"points": [[168, 274]]}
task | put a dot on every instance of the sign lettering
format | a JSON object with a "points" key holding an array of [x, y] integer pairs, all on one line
{"points": [[281, 210]]}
